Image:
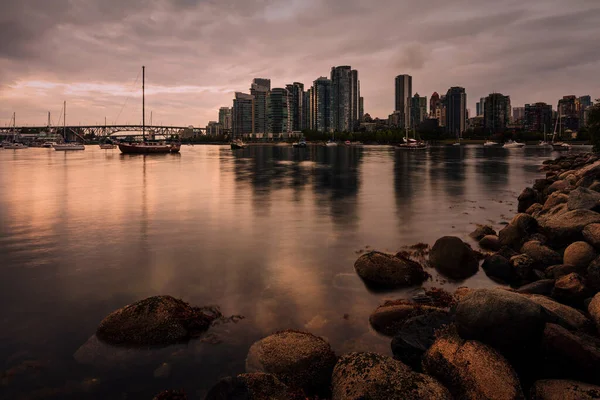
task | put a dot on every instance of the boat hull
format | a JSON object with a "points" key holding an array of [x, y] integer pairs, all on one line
{"points": [[107, 146], [14, 147], [135, 148], [62, 147], [237, 146]]}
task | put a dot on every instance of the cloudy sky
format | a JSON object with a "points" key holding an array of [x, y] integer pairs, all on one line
{"points": [[197, 53]]}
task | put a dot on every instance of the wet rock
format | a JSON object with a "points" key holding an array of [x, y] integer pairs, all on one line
{"points": [[453, 258], [534, 209], [583, 199], [568, 227], [562, 389], [539, 238], [569, 355], [595, 186], [543, 287], [541, 184], [298, 359], [508, 321], [417, 335], [471, 369], [506, 252], [593, 275], [527, 198], [498, 267], [558, 186], [594, 310], [557, 271], [591, 234], [542, 256], [376, 377], [571, 289], [522, 267], [155, 321], [388, 318], [511, 236], [554, 200], [563, 315], [579, 254], [481, 231], [462, 292], [255, 386], [384, 270], [526, 224], [490, 242]]}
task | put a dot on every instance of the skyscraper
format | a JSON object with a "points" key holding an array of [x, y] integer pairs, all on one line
{"points": [[361, 108], [306, 109], [225, 118], [344, 98], [538, 117], [568, 111], [496, 113], [260, 89], [278, 112], [296, 105], [480, 106], [518, 113], [418, 110], [243, 115], [403, 96], [434, 104], [456, 110], [321, 118]]}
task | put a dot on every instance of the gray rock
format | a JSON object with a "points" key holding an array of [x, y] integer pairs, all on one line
{"points": [[542, 256], [384, 270], [591, 234], [481, 231], [498, 267], [583, 199], [298, 359], [567, 227], [376, 377], [508, 321], [543, 287], [527, 198], [571, 289], [490, 242], [471, 369], [563, 389], [579, 254], [453, 258], [255, 386]]}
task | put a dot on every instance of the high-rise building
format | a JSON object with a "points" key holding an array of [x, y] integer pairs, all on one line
{"points": [[538, 117], [361, 108], [496, 113], [480, 106], [518, 113], [225, 118], [403, 96], [440, 113], [434, 104], [306, 109], [260, 89], [456, 110], [296, 100], [585, 102], [321, 113], [345, 95], [278, 112], [418, 110], [214, 128], [243, 115], [568, 109]]}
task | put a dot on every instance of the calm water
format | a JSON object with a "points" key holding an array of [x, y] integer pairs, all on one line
{"points": [[270, 233]]}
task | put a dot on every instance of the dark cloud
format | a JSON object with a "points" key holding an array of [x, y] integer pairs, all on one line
{"points": [[198, 52]]}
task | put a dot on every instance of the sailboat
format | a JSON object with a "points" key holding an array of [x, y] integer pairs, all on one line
{"points": [[14, 145], [544, 143], [147, 146], [67, 146], [108, 144], [457, 139], [559, 146], [331, 141], [411, 144], [490, 142]]}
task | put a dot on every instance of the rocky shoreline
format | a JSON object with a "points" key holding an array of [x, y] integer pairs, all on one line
{"points": [[535, 336]]}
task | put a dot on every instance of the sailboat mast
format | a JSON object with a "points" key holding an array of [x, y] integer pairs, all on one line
{"points": [[143, 103], [65, 121]]}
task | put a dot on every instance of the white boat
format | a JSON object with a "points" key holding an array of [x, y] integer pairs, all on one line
{"points": [[48, 145], [300, 144], [411, 144], [490, 143], [237, 144], [331, 144], [559, 146], [67, 146], [14, 145], [511, 144], [544, 143]]}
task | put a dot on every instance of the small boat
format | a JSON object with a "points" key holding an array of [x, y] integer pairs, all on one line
{"points": [[511, 144], [543, 143], [237, 144], [331, 143], [301, 144], [348, 143], [48, 145], [560, 146], [66, 146], [411, 144], [490, 143], [15, 146]]}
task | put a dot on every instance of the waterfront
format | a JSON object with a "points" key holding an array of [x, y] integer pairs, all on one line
{"points": [[269, 232]]}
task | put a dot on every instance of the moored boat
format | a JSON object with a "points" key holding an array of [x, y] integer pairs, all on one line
{"points": [[14, 145], [299, 144], [68, 146], [489, 143], [48, 145], [511, 144], [237, 144]]}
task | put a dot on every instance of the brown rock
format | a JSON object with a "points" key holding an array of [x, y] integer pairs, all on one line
{"points": [[571, 289], [522, 267], [557, 271], [453, 258], [579, 254], [388, 318], [593, 275], [384, 270], [554, 200], [481, 231], [534, 209], [567, 227], [565, 316], [591, 234], [562, 389], [542, 256], [490, 242], [256, 386], [594, 310]]}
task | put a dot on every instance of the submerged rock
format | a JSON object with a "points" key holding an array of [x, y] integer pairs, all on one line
{"points": [[155, 321], [255, 386], [376, 377], [298, 359], [498, 267], [388, 318], [453, 258], [562, 389], [384, 270], [471, 370]]}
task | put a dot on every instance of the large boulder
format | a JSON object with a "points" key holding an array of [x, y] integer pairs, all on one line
{"points": [[527, 198], [522, 268], [471, 369], [481, 231], [453, 258], [389, 317], [567, 227], [594, 310], [384, 270], [417, 335], [543, 287], [376, 377], [542, 256], [490, 242], [591, 234], [579, 254], [593, 275], [556, 271], [508, 321], [255, 386], [155, 321], [554, 200], [534, 209], [563, 389], [583, 199], [563, 315], [541, 184], [569, 355], [516, 233], [498, 268], [298, 359], [561, 185], [571, 289]]}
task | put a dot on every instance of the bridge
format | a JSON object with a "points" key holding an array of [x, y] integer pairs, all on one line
{"points": [[89, 131]]}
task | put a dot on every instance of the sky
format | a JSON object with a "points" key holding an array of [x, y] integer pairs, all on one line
{"points": [[197, 53]]}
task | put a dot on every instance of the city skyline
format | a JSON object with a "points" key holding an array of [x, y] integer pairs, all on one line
{"points": [[199, 53]]}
